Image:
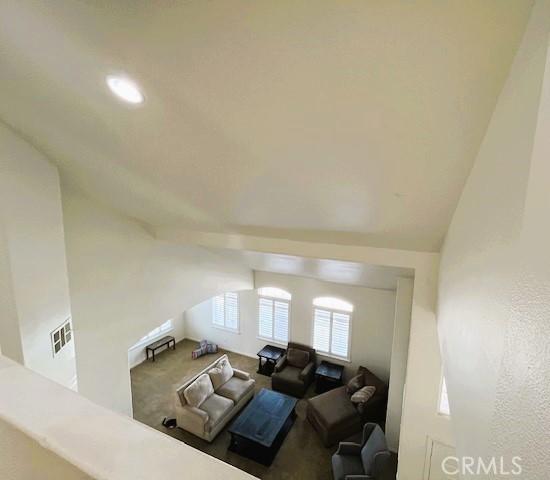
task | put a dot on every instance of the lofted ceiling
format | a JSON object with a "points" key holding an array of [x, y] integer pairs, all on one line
{"points": [[351, 122], [335, 271]]}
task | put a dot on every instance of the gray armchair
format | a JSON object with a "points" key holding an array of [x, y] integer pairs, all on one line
{"points": [[354, 461], [295, 370]]}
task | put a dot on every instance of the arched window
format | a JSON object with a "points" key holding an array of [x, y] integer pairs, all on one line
{"points": [[332, 326], [274, 292], [273, 314]]}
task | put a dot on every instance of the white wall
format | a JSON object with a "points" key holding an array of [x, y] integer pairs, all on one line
{"points": [[33, 271], [372, 320], [136, 353], [123, 284], [494, 289], [399, 353]]}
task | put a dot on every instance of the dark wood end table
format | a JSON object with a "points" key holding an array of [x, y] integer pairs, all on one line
{"points": [[267, 358], [161, 342], [328, 376]]}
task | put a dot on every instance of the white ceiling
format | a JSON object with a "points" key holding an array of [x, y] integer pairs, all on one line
{"points": [[336, 271], [348, 122]]}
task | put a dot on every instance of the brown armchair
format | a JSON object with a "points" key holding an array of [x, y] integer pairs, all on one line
{"points": [[295, 370], [335, 417]]}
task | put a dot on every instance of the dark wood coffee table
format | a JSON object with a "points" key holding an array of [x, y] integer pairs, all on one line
{"points": [[267, 358], [328, 376], [259, 431]]}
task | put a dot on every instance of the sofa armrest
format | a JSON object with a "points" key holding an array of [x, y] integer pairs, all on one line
{"points": [[307, 372], [348, 448], [380, 461], [241, 374], [374, 410], [191, 418], [281, 363]]}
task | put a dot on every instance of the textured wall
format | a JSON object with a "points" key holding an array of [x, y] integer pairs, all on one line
{"points": [[494, 286]]}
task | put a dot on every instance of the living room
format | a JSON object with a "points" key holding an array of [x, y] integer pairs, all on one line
{"points": [[146, 146], [345, 313]]}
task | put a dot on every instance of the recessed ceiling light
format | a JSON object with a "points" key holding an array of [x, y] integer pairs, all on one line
{"points": [[125, 89]]}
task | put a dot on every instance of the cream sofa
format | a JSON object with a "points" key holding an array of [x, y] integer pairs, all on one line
{"points": [[205, 403]]}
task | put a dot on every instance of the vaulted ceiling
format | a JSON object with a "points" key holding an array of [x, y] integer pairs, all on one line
{"points": [[342, 121]]}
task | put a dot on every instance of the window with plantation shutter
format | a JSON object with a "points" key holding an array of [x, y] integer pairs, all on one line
{"points": [[225, 311], [273, 314], [332, 326]]}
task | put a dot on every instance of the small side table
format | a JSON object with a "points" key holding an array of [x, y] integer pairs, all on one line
{"points": [[328, 376], [267, 358]]}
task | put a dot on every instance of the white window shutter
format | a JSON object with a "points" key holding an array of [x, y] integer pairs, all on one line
{"points": [[265, 319], [232, 311], [340, 334], [321, 330], [218, 315], [280, 321]]}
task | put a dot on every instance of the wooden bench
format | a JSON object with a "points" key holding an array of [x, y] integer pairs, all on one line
{"points": [[162, 342]]}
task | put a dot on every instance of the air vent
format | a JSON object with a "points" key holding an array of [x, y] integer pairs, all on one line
{"points": [[61, 336]]}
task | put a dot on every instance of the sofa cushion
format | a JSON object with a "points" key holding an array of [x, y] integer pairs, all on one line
{"points": [[217, 408], [355, 384], [363, 394], [221, 373], [297, 358], [334, 410], [289, 374], [199, 390], [235, 388]]}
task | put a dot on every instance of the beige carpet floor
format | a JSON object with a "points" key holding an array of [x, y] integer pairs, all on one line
{"points": [[302, 455]]}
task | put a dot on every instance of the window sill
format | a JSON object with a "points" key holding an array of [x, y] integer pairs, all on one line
{"points": [[226, 329], [271, 340], [333, 357]]}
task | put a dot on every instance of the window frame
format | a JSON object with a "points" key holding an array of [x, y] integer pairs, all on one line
{"points": [[274, 299], [329, 354], [224, 326], [146, 339], [442, 387]]}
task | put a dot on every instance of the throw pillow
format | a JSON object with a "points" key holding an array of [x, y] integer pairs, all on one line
{"points": [[364, 394], [297, 358], [221, 373], [372, 379], [199, 390], [355, 384]]}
